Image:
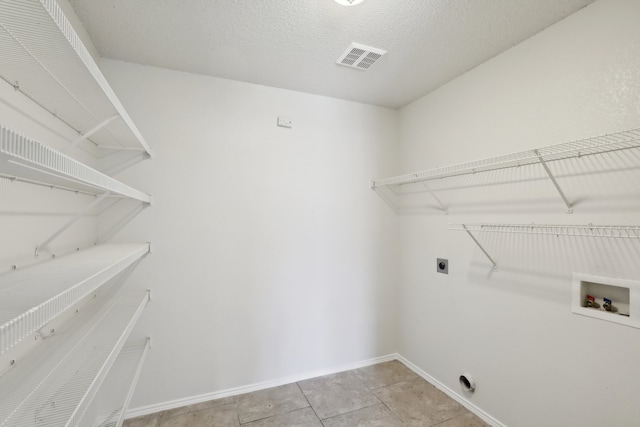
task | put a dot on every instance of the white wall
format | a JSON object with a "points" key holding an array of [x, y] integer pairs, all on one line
{"points": [[271, 255], [536, 363]]}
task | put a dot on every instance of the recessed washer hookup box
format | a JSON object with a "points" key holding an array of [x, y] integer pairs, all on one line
{"points": [[606, 298]]}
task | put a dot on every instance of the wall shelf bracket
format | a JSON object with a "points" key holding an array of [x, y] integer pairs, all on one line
{"points": [[442, 206], [90, 132], [495, 266], [71, 222], [553, 180]]}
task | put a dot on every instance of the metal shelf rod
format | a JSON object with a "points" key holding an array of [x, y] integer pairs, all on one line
{"points": [[53, 187], [17, 88]]}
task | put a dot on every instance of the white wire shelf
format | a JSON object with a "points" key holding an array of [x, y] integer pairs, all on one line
{"points": [[109, 406], [55, 384], [590, 230], [27, 158], [597, 145], [43, 57], [32, 297]]}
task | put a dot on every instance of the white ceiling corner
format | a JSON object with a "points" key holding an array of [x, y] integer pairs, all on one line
{"points": [[294, 44]]}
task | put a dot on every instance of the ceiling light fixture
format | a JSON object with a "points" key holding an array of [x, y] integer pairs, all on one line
{"points": [[348, 2]]}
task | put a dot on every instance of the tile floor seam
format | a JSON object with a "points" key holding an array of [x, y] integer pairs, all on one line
{"points": [[445, 421], [390, 384], [370, 391], [385, 403], [392, 411], [310, 405], [350, 412], [258, 419], [235, 403], [276, 415]]}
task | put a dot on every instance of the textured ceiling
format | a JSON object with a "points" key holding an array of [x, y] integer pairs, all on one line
{"points": [[293, 44]]}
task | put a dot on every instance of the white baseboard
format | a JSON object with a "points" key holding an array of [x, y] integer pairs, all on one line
{"points": [[164, 406], [452, 394], [150, 409]]}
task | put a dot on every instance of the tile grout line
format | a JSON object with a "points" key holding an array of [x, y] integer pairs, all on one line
{"points": [[276, 415], [384, 403], [447, 420], [371, 391], [235, 402], [310, 406], [339, 415], [355, 410], [390, 410]]}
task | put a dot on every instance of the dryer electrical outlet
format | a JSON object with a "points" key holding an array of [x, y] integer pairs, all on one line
{"points": [[442, 266]]}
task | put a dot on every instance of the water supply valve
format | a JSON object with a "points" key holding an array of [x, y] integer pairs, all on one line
{"points": [[591, 302]]}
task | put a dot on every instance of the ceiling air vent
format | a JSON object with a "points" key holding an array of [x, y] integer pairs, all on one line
{"points": [[360, 56]]}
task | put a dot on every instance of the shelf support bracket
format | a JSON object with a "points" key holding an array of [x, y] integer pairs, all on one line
{"points": [[71, 222], [442, 206], [118, 148], [495, 266], [90, 132], [553, 180]]}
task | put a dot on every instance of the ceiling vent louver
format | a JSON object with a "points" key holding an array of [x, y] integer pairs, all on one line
{"points": [[360, 56]]}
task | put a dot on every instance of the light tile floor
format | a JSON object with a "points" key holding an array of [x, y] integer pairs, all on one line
{"points": [[384, 395]]}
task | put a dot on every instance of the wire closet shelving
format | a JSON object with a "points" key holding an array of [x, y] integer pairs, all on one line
{"points": [[27, 158], [590, 230], [64, 322], [55, 384], [624, 140], [123, 378], [44, 59], [30, 298]]}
